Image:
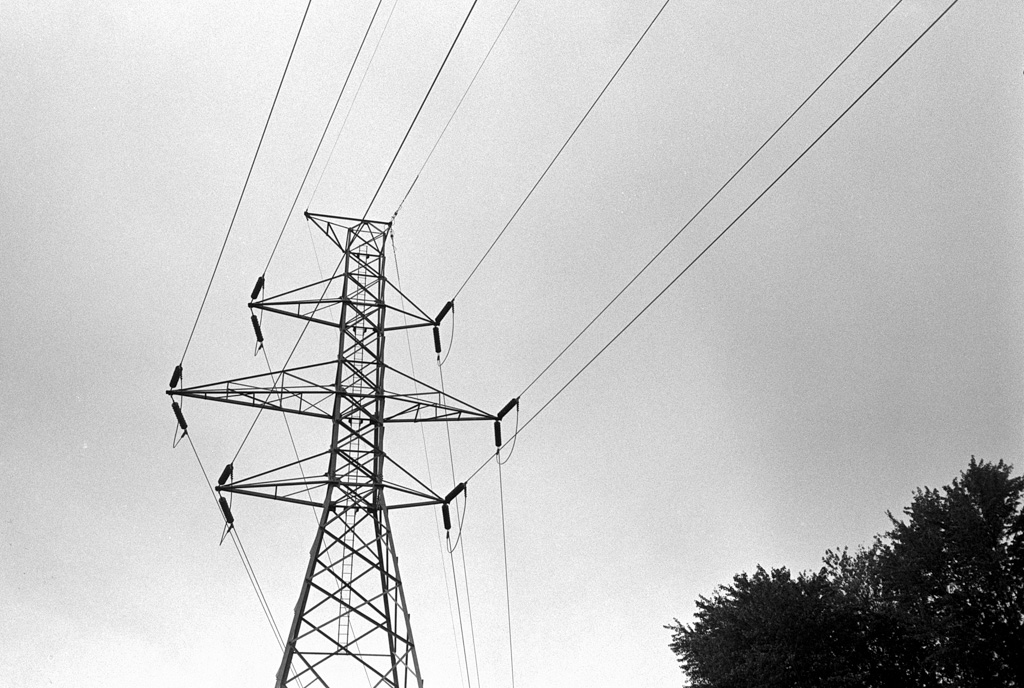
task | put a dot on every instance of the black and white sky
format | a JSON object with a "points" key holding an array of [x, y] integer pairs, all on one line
{"points": [[857, 334]]}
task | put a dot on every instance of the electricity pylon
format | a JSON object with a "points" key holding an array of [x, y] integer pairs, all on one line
{"points": [[351, 617]]}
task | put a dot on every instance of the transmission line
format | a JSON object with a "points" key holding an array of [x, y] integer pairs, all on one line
{"points": [[566, 143], [504, 558], [359, 88], [426, 460], [720, 234], [709, 201], [420, 109], [324, 134], [246, 564], [462, 551], [245, 185], [457, 106]]}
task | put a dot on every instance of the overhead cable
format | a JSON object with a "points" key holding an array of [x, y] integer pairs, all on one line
{"points": [[462, 550], [359, 88], [420, 109], [457, 106], [245, 185], [709, 201], [721, 234], [559, 153], [504, 557], [330, 119], [426, 457], [243, 556]]}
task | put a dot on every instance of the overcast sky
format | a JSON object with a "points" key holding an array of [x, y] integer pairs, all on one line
{"points": [[854, 336]]}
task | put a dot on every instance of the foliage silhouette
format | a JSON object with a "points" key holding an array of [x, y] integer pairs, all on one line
{"points": [[936, 601]]}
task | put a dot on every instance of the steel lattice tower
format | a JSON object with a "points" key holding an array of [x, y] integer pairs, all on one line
{"points": [[351, 616]]}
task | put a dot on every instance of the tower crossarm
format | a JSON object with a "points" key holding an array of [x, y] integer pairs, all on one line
{"points": [[340, 230], [297, 483], [303, 390], [312, 303], [305, 491]]}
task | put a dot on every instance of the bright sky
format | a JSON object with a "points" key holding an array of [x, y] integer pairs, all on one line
{"points": [[857, 334]]}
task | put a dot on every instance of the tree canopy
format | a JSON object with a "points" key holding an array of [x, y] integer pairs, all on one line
{"points": [[938, 600]]}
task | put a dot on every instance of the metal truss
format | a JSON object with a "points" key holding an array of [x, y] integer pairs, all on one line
{"points": [[351, 621]]}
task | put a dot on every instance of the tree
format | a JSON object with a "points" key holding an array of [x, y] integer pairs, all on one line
{"points": [[955, 570], [936, 601], [771, 629]]}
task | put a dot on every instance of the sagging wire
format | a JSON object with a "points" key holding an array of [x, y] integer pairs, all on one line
{"points": [[504, 552], [451, 339], [426, 456], [462, 549], [504, 539]]}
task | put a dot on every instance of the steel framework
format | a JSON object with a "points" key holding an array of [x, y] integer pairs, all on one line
{"points": [[351, 617]]}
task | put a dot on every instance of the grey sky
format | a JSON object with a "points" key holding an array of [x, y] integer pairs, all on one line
{"points": [[856, 335]]}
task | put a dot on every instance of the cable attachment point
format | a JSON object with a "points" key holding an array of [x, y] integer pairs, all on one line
{"points": [[176, 376], [456, 491], [497, 420], [437, 328], [445, 511], [259, 332], [226, 474], [228, 518], [181, 418], [444, 311], [258, 288]]}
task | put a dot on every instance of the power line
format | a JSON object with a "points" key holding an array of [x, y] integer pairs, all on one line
{"points": [[245, 185], [359, 88], [426, 460], [462, 549], [709, 201], [246, 564], [457, 106], [562, 148], [420, 109], [324, 134], [508, 596], [462, 632], [722, 233]]}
